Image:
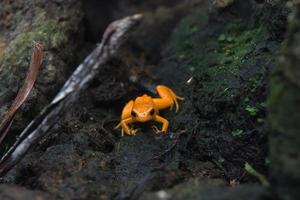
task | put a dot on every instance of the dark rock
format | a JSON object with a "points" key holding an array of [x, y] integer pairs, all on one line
{"points": [[284, 114], [8, 192]]}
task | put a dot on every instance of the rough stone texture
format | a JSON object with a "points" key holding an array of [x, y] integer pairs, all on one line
{"points": [[56, 26], [222, 3], [208, 190], [229, 58], [10, 192], [285, 114], [186, 190]]}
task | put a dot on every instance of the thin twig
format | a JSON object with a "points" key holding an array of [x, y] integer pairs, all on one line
{"points": [[115, 35]]}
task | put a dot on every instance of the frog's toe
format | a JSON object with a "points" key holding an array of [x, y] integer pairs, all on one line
{"points": [[134, 131], [157, 130], [118, 126]]}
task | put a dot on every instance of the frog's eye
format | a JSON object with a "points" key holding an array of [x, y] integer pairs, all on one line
{"points": [[152, 111], [133, 114]]}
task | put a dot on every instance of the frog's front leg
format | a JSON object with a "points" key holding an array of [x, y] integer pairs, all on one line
{"points": [[125, 128], [164, 126], [127, 119]]}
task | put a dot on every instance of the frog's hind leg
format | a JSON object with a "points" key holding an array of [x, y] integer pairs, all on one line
{"points": [[168, 98]]}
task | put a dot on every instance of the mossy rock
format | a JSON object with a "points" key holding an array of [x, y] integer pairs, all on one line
{"points": [[56, 31], [284, 114], [228, 60]]}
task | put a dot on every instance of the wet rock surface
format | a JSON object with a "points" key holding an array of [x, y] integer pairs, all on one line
{"points": [[208, 190], [55, 26], [226, 56], [8, 192], [222, 66], [283, 117]]}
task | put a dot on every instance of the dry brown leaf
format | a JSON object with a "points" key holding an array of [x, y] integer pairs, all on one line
{"points": [[24, 91]]}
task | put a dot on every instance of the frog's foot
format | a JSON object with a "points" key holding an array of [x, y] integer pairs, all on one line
{"points": [[133, 131], [175, 99], [158, 131], [130, 132]]}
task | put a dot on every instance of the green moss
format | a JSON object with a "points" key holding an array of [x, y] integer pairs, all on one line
{"points": [[234, 43], [221, 55], [252, 110], [46, 31], [230, 62], [237, 133], [49, 32], [16, 58]]}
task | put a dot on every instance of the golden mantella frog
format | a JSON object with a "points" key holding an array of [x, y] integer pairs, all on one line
{"points": [[145, 108]]}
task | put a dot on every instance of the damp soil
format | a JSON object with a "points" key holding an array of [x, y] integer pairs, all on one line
{"points": [[218, 59]]}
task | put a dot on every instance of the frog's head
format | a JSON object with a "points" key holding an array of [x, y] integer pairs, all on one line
{"points": [[143, 109]]}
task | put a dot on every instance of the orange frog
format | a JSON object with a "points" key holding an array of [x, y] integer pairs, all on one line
{"points": [[146, 108]]}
